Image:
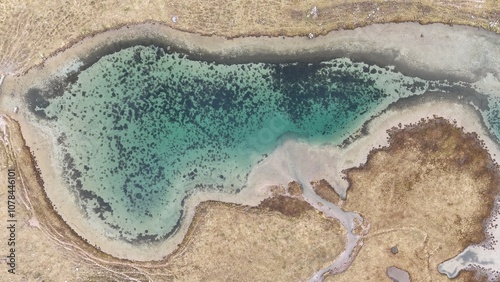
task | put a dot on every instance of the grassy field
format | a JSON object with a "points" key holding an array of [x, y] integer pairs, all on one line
{"points": [[433, 188], [33, 29]]}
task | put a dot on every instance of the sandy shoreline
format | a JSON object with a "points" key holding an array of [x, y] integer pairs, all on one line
{"points": [[467, 54]]}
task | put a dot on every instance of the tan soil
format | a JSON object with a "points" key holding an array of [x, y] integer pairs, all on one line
{"points": [[427, 193]]}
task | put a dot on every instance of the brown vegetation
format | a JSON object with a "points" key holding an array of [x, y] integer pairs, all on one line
{"points": [[427, 193], [237, 243], [286, 205], [325, 191]]}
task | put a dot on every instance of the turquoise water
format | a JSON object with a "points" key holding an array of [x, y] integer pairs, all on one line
{"points": [[141, 129]]}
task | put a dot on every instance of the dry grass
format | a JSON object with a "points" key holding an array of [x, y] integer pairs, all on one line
{"points": [[235, 243], [428, 193], [33, 27]]}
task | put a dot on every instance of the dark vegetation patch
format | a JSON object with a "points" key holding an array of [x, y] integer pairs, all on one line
{"points": [[323, 189], [295, 188], [286, 205]]}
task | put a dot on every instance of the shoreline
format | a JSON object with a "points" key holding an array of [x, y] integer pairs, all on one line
{"points": [[386, 44], [354, 154], [289, 49], [377, 128], [29, 43], [270, 58]]}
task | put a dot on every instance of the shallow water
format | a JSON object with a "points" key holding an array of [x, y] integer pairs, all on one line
{"points": [[397, 274], [141, 129]]}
